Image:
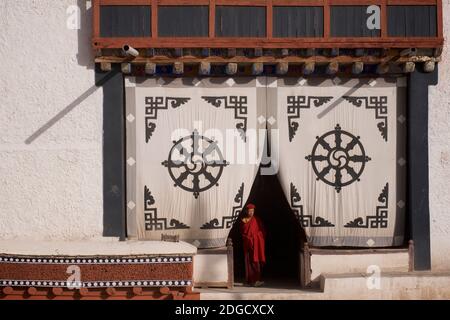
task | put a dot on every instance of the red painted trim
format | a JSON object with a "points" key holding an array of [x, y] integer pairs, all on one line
{"points": [[269, 43]]}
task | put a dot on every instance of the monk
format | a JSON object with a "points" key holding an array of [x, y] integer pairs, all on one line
{"points": [[253, 235]]}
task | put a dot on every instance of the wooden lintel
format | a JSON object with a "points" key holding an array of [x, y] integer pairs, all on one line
{"points": [[165, 60]]}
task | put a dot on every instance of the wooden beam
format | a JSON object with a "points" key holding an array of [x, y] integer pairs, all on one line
{"points": [[247, 3], [96, 19], [274, 43], [123, 2], [154, 26], [166, 60], [183, 2], [338, 251], [260, 3], [269, 19], [326, 18], [212, 18], [269, 42], [411, 255], [230, 263], [440, 24], [384, 19]]}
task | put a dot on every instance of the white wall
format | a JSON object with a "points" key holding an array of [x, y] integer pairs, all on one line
{"points": [[439, 152], [52, 186]]}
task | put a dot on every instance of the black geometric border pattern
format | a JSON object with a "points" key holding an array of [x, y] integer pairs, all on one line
{"points": [[152, 222], [380, 219], [239, 104], [305, 220], [153, 104], [227, 221], [379, 104], [295, 103]]}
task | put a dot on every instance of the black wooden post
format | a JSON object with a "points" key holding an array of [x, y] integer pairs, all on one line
{"points": [[114, 214], [418, 189]]}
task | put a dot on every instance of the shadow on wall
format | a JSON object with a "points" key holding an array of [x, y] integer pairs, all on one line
{"points": [[112, 84], [85, 58]]}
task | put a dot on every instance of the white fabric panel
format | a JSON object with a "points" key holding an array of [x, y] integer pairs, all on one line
{"points": [[188, 179], [353, 124]]}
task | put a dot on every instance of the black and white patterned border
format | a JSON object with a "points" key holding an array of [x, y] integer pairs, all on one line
{"points": [[228, 221], [294, 106], [380, 219], [36, 260], [238, 104], [306, 220], [94, 284], [151, 219], [152, 105], [379, 104]]}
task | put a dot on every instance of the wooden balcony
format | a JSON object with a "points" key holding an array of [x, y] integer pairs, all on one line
{"points": [[337, 24]]}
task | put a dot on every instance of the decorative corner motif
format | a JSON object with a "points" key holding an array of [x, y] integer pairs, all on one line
{"points": [[305, 220], [152, 222], [228, 221], [379, 104], [238, 104], [380, 219], [153, 104], [294, 106]]}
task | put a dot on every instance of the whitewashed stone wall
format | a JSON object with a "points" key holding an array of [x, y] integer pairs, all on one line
{"points": [[50, 182], [439, 149]]}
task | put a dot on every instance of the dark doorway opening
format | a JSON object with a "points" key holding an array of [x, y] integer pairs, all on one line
{"points": [[284, 234]]}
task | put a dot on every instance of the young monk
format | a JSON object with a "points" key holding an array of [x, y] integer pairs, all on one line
{"points": [[253, 234]]}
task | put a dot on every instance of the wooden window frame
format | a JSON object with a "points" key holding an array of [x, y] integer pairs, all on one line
{"points": [[268, 42]]}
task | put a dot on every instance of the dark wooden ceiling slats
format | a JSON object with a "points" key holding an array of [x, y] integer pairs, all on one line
{"points": [[350, 21], [183, 21], [240, 21], [125, 21], [412, 21], [295, 22]]}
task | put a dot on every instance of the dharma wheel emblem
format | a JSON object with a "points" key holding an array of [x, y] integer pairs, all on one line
{"points": [[195, 163], [338, 158]]}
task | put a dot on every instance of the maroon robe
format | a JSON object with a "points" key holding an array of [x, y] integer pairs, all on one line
{"points": [[253, 235]]}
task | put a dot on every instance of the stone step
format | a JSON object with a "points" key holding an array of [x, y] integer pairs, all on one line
{"points": [[355, 286]]}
